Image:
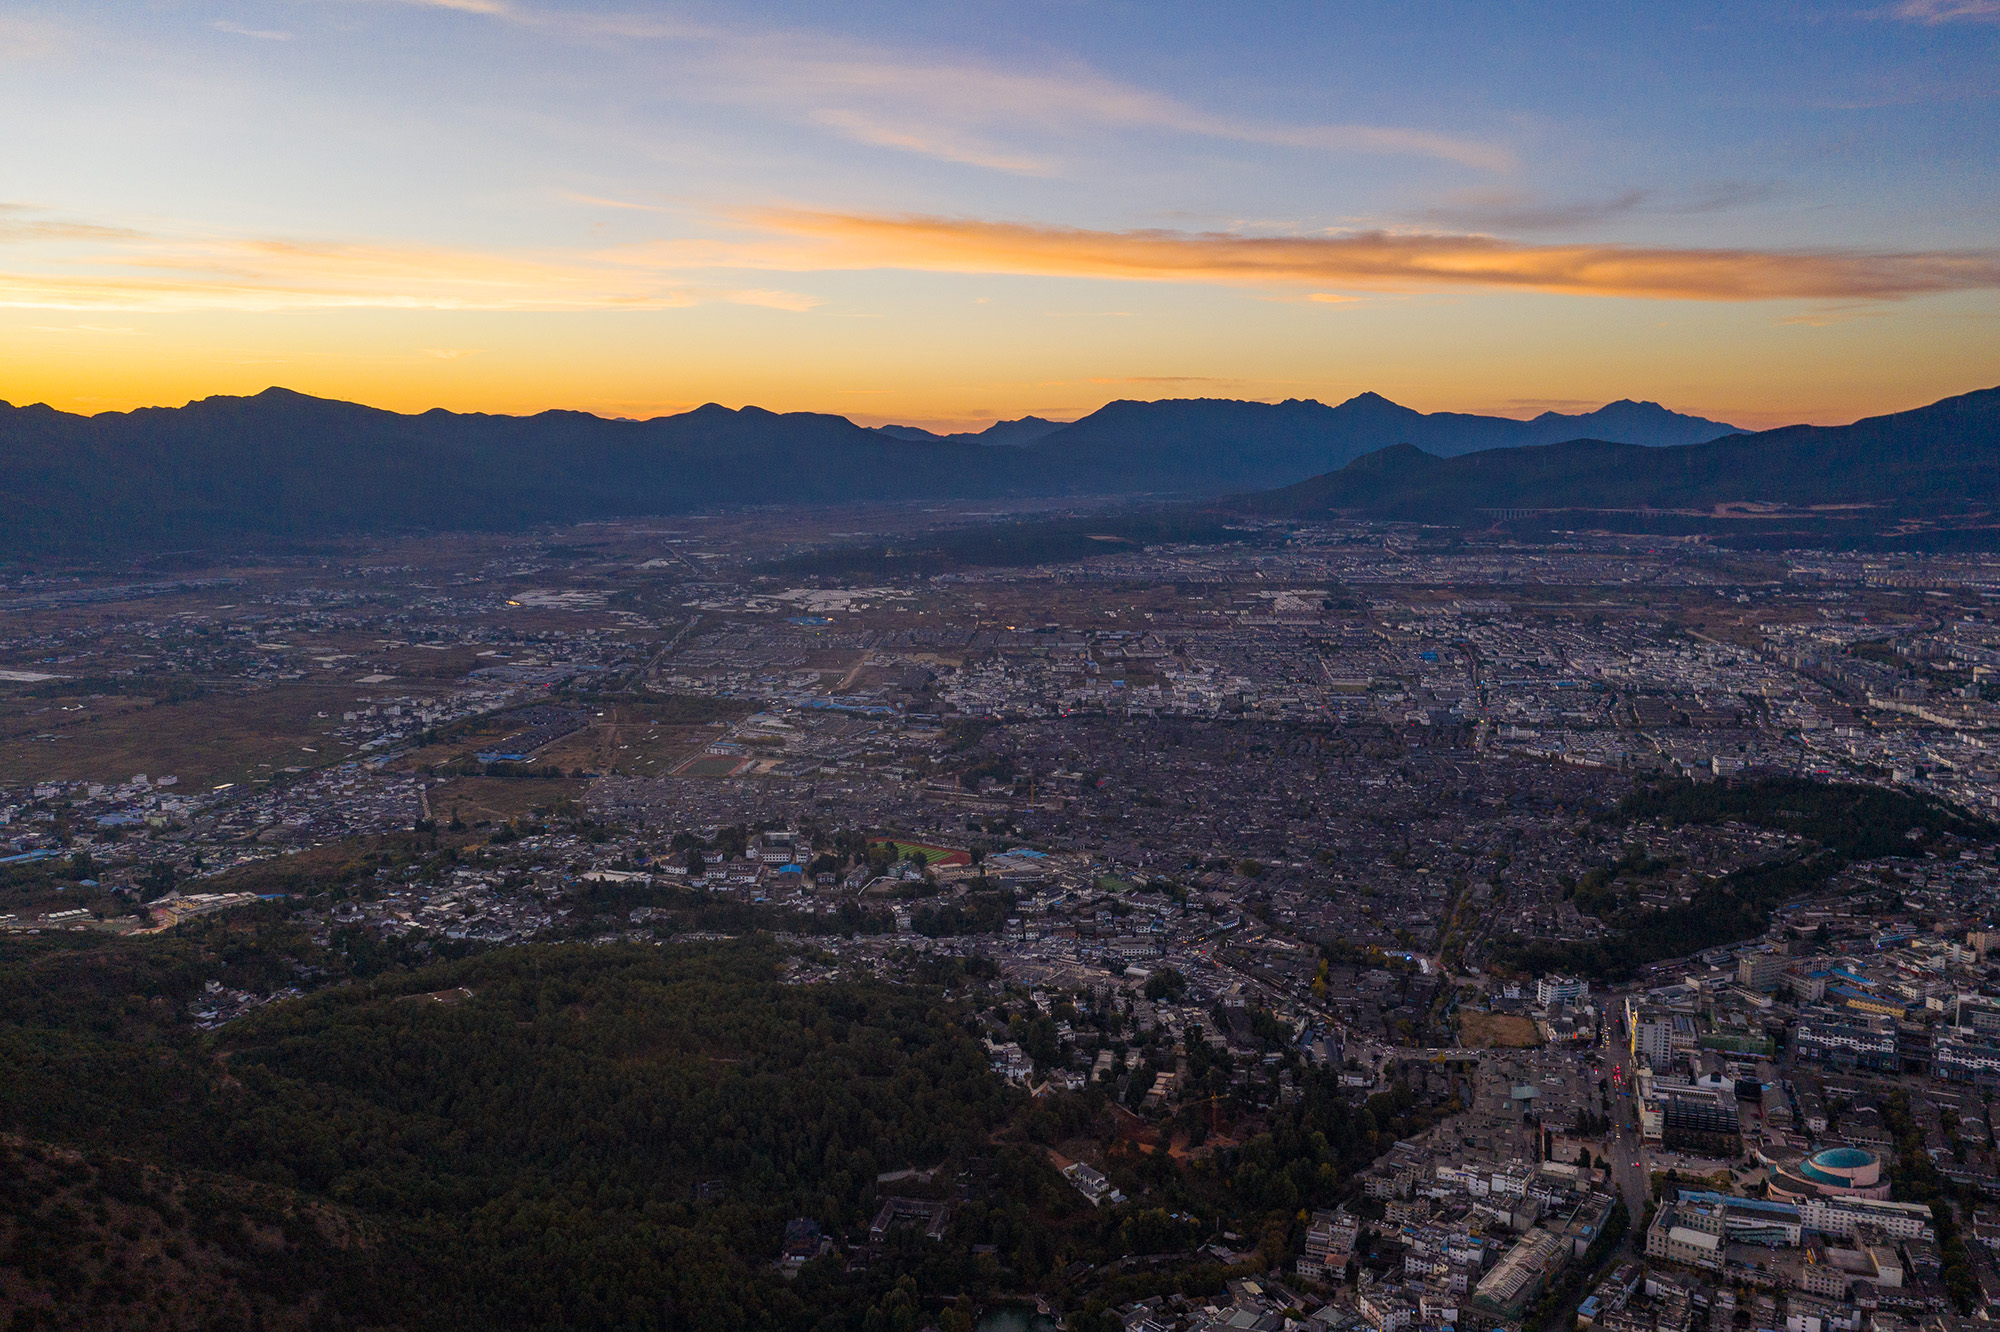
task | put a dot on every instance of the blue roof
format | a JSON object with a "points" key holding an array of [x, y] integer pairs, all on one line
{"points": [[1709, 1198]]}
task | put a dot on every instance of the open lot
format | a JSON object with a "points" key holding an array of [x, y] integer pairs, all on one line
{"points": [[1486, 1031], [219, 737]]}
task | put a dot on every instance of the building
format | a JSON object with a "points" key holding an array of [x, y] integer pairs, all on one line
{"points": [[1521, 1275], [1684, 1233], [1774, 1225], [1760, 971], [1841, 1040], [1329, 1244], [1838, 1215], [1702, 1125], [1553, 990], [1966, 1059], [1837, 1172]]}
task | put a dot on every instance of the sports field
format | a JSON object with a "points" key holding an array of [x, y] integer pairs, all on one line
{"points": [[713, 765], [933, 855]]}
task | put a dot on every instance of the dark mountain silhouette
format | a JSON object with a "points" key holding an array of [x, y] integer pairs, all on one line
{"points": [[1933, 459], [1026, 430], [1187, 444], [285, 466], [282, 466]]}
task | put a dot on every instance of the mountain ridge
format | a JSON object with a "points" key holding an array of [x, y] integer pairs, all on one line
{"points": [[1936, 457], [286, 466]]}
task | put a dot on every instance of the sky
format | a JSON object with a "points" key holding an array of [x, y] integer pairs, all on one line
{"points": [[948, 214]]}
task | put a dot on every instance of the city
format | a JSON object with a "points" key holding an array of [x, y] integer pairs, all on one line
{"points": [[1186, 829]]}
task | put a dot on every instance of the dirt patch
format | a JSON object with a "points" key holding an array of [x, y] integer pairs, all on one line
{"points": [[1504, 1031]]}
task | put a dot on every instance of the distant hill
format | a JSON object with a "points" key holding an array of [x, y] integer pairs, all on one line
{"points": [[1026, 430], [281, 466], [285, 466], [1942, 457], [1189, 444]]}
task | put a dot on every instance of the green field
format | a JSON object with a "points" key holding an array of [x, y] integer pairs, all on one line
{"points": [[933, 855]]}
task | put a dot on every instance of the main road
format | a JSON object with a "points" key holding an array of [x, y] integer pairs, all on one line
{"points": [[1629, 1168]]}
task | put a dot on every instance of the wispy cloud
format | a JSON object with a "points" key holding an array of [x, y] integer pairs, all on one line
{"points": [[54, 263], [946, 106], [1507, 210], [795, 302], [1947, 11], [489, 8], [864, 128], [801, 240], [57, 263], [261, 34], [1827, 317], [28, 38]]}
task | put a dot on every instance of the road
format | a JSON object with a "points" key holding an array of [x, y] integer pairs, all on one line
{"points": [[1629, 1168]]}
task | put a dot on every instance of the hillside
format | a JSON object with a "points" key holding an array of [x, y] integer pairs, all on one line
{"points": [[523, 1155], [1936, 459]]}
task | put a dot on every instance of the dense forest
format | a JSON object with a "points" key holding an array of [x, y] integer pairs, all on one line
{"points": [[578, 1136], [1838, 824]]}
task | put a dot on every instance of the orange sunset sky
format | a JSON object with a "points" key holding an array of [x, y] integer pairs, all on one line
{"points": [[944, 216]]}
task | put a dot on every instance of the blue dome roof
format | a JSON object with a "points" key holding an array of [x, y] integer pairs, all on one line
{"points": [[1845, 1160]]}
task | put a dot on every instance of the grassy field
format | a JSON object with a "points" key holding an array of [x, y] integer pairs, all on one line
{"points": [[632, 738], [933, 855], [1505, 1031], [500, 800], [223, 737], [710, 765]]}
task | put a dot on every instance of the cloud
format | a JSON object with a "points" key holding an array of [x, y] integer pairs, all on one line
{"points": [[792, 301], [262, 34], [1059, 101], [802, 240], [931, 104], [1824, 318], [18, 222], [66, 265], [596, 201], [486, 8], [55, 263], [1946, 11], [1516, 211], [100, 329], [28, 38], [944, 147]]}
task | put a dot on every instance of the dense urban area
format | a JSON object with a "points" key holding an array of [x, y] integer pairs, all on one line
{"points": [[1326, 926]]}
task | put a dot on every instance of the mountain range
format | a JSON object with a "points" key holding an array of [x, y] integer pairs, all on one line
{"points": [[282, 466], [1936, 459], [1024, 430], [1309, 428]]}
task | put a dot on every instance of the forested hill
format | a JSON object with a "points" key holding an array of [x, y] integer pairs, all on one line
{"points": [[1941, 456], [281, 466], [510, 1141], [605, 1138]]}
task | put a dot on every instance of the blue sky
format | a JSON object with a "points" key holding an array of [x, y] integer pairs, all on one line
{"points": [[942, 213]]}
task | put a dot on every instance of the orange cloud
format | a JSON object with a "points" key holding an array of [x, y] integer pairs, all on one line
{"points": [[1373, 260]]}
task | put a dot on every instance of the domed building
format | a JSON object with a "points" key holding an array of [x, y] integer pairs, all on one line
{"points": [[1836, 1172]]}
